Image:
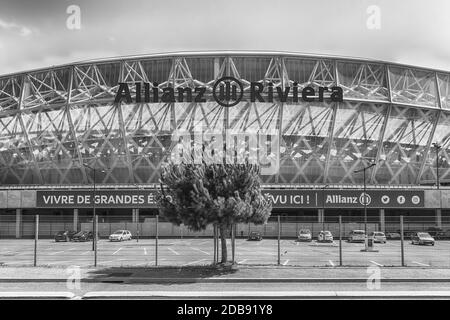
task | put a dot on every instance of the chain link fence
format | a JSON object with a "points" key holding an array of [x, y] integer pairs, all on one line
{"points": [[283, 240]]}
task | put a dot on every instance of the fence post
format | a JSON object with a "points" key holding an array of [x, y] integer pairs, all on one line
{"points": [[217, 243], [401, 239], [279, 235], [36, 236], [156, 241], [137, 231], [95, 239], [233, 235], [214, 242], [340, 241]]}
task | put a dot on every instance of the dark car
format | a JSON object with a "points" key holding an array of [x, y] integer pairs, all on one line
{"points": [[436, 232], [64, 235], [393, 235], [83, 236], [255, 235]]}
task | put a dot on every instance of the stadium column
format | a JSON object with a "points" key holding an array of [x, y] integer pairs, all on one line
{"points": [[75, 219], [320, 216], [439, 218], [18, 223], [135, 215], [382, 220]]}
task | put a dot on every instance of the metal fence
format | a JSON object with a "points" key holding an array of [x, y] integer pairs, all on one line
{"points": [[156, 242]]}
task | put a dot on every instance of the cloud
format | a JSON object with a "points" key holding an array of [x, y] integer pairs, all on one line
{"points": [[21, 29]]}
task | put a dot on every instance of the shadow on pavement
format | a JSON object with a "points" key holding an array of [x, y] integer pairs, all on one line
{"points": [[160, 275]]}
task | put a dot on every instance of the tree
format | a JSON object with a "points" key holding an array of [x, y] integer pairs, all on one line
{"points": [[197, 195]]}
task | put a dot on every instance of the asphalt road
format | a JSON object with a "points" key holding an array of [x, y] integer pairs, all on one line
{"points": [[238, 288], [199, 251]]}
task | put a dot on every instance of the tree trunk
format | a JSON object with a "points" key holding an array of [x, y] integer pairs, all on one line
{"points": [[223, 239]]}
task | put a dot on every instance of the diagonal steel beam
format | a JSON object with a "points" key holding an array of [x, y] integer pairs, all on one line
{"points": [[331, 137], [383, 129], [433, 130], [72, 128], [25, 133], [122, 128]]}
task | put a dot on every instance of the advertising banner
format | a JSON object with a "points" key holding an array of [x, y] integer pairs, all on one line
{"points": [[281, 198], [346, 198]]}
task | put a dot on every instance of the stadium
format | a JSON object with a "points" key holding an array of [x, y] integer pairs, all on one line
{"points": [[69, 130]]}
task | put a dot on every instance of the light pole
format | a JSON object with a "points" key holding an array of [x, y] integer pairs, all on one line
{"points": [[323, 209], [365, 195], [438, 147], [94, 237]]}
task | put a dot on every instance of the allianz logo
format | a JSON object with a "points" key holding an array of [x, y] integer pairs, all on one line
{"points": [[340, 199]]}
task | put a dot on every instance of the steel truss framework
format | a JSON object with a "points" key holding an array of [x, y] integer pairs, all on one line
{"points": [[54, 120]]}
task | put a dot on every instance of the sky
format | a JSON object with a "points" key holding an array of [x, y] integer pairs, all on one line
{"points": [[43, 33]]}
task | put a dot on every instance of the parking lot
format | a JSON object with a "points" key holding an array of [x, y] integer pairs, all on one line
{"points": [[199, 251]]}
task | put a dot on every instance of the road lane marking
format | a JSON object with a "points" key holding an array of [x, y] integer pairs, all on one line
{"points": [[422, 264], [53, 253], [201, 251], [376, 263], [86, 252], [145, 251], [24, 253], [331, 262], [193, 262], [241, 248], [58, 262], [117, 250], [242, 261], [286, 262], [173, 251]]}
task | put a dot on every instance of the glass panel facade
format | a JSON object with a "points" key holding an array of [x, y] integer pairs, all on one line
{"points": [[404, 145], [52, 121], [356, 136], [444, 90], [363, 81], [413, 86]]}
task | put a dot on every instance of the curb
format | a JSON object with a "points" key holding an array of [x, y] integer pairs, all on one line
{"points": [[228, 280], [37, 295], [266, 294]]}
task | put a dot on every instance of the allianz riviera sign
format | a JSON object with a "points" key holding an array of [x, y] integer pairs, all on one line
{"points": [[261, 146], [227, 92]]}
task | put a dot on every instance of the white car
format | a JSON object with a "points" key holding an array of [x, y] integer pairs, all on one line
{"points": [[378, 236], [422, 238], [304, 235], [325, 236], [120, 235], [357, 236]]}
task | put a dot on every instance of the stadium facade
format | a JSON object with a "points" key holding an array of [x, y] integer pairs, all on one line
{"points": [[62, 128]]}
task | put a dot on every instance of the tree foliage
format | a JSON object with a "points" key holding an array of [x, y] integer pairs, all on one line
{"points": [[197, 195]]}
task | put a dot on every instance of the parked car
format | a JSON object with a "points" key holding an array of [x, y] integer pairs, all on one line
{"points": [[304, 235], [64, 235], [120, 235], [255, 235], [357, 236], [378, 236], [393, 235], [325, 236], [422, 238], [83, 236], [436, 232]]}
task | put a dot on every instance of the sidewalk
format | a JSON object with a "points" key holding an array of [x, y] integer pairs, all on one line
{"points": [[208, 275]]}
